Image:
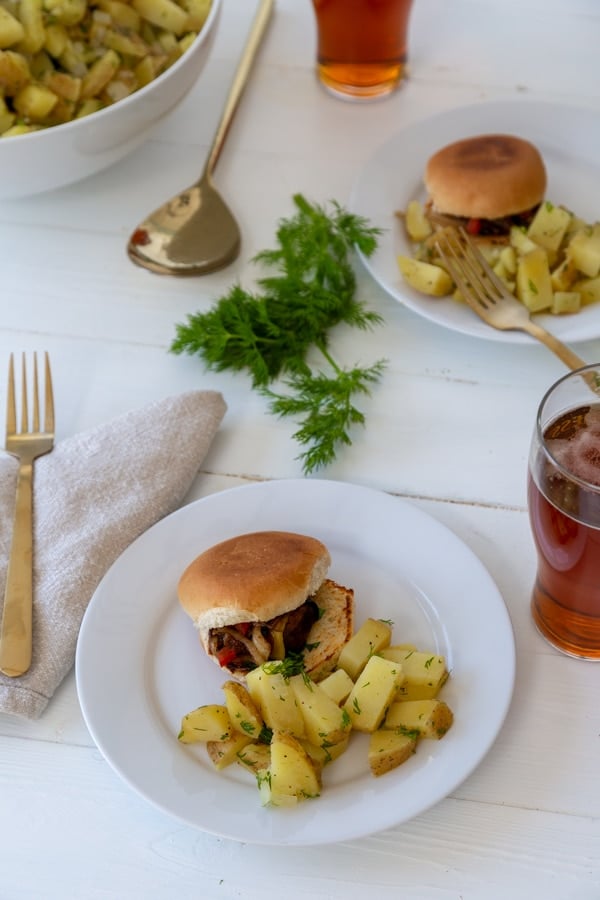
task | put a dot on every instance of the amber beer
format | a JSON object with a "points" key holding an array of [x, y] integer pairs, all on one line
{"points": [[362, 45], [564, 510]]}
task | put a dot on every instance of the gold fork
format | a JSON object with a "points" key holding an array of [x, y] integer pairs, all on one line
{"points": [[487, 295], [26, 445]]}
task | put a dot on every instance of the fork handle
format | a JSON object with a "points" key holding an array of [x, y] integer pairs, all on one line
{"points": [[15, 633], [563, 352]]}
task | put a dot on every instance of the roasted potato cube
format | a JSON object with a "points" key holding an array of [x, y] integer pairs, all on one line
{"points": [[563, 276], [243, 711], [565, 302], [425, 277], [31, 16], [224, 753], [121, 13], [584, 249], [292, 771], [11, 30], [206, 723], [324, 721], [198, 11], [549, 226], [255, 757], [66, 12], [389, 749], [588, 289], [373, 692], [534, 288], [273, 695], [162, 13], [428, 718], [14, 72], [417, 224], [34, 102], [519, 240], [99, 74], [372, 636], [424, 674], [337, 685]]}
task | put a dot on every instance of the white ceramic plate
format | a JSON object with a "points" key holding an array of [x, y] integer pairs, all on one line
{"points": [[569, 141], [140, 668]]}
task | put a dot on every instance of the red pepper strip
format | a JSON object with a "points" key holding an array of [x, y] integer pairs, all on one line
{"points": [[225, 656], [244, 627], [474, 226]]}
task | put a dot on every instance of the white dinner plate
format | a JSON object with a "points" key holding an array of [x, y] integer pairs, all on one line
{"points": [[140, 667], [569, 141]]}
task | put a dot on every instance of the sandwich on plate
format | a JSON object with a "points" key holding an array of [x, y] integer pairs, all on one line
{"points": [[265, 596]]}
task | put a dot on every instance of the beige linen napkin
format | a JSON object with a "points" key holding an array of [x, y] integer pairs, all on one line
{"points": [[93, 495]]}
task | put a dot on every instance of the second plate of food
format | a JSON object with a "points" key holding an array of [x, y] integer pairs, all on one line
{"points": [[568, 139]]}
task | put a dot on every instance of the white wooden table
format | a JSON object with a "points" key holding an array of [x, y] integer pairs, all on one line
{"points": [[448, 429]]}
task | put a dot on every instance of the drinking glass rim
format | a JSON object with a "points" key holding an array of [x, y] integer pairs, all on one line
{"points": [[582, 482]]}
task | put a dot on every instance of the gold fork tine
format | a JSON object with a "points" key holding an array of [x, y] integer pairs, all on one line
{"points": [[11, 403], [35, 424], [49, 397]]}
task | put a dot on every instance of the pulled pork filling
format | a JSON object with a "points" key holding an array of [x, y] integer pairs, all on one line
{"points": [[484, 227], [249, 644]]}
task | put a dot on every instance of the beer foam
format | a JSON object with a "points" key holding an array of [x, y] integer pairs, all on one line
{"points": [[580, 453]]}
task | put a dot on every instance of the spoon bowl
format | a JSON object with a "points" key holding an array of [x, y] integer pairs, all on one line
{"points": [[195, 232]]}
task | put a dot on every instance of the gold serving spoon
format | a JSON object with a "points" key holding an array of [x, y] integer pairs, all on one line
{"points": [[195, 232]]}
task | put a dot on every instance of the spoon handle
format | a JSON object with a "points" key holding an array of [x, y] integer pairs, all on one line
{"points": [[240, 78]]}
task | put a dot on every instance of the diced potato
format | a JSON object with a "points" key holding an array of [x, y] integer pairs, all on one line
{"points": [[549, 226], [121, 13], [389, 749], [292, 771], [198, 11], [588, 289], [7, 118], [35, 102], [534, 288], [162, 13], [243, 711], [325, 723], [99, 74], [508, 258], [373, 692], [11, 30], [429, 718], [14, 72], [224, 753], [563, 276], [207, 723], [275, 698], [64, 85], [425, 277], [424, 673], [56, 40], [337, 685], [418, 225], [519, 240], [322, 754], [565, 302], [67, 12], [255, 757], [31, 16], [372, 636], [584, 249]]}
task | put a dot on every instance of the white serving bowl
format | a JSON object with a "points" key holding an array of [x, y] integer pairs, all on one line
{"points": [[52, 157]]}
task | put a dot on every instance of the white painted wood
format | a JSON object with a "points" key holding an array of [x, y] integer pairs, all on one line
{"points": [[448, 428]]}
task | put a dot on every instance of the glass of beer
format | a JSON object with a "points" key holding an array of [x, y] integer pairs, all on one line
{"points": [[362, 46], [564, 511]]}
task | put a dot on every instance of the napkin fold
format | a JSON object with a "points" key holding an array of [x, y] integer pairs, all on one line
{"points": [[93, 495]]}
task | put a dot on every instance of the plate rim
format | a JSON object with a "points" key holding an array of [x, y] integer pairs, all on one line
{"points": [[288, 836]]}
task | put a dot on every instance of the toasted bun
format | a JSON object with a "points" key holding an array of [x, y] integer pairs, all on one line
{"points": [[333, 629], [486, 177], [252, 578]]}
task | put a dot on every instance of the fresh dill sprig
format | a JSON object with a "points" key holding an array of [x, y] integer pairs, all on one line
{"points": [[269, 333]]}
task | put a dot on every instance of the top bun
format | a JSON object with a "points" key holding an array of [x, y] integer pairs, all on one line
{"points": [[252, 578], [486, 177]]}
